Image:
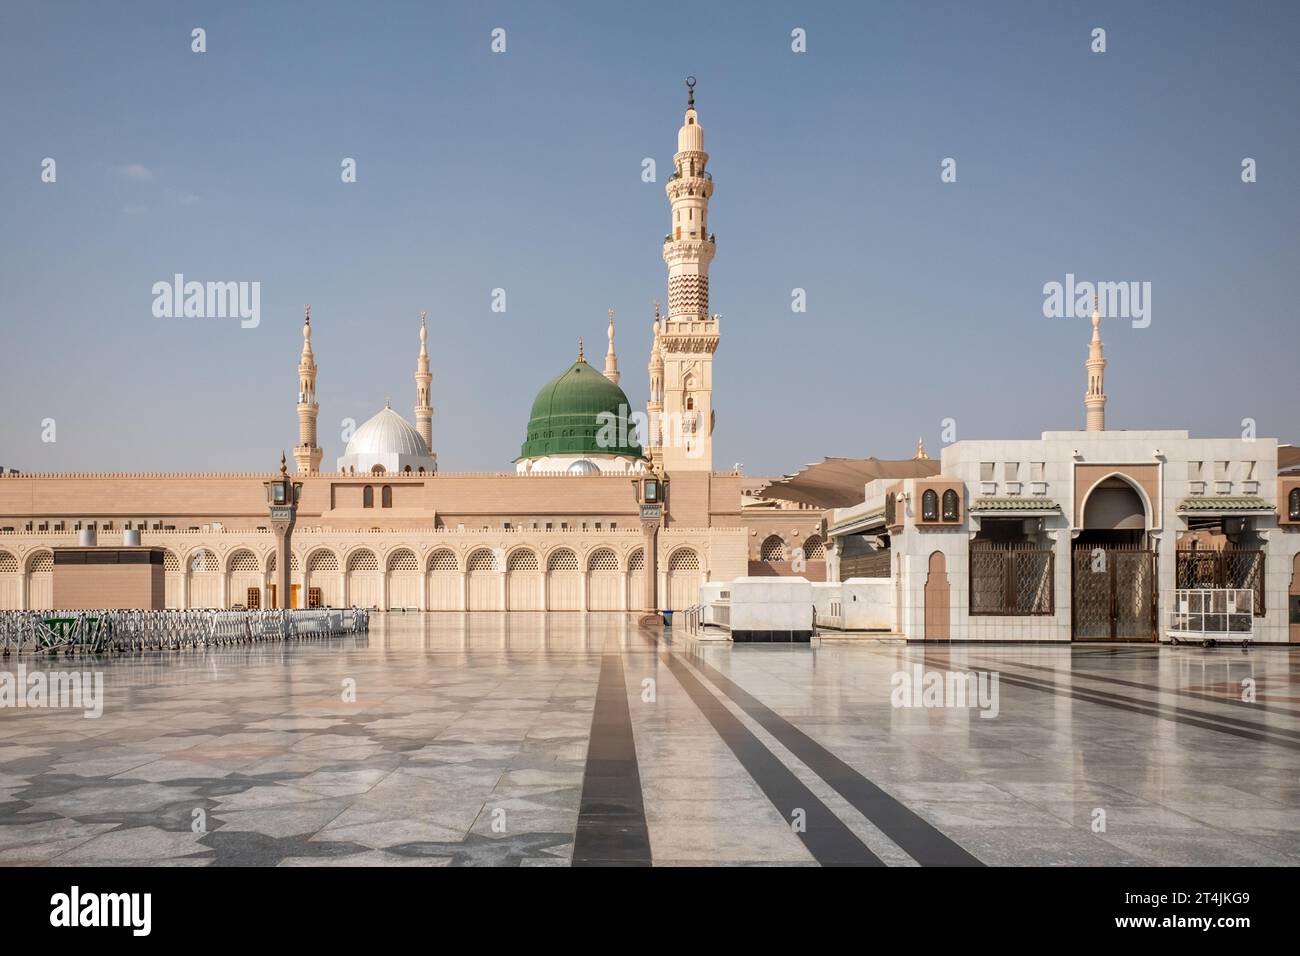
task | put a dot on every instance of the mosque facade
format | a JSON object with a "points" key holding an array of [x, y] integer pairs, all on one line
{"points": [[387, 528]]}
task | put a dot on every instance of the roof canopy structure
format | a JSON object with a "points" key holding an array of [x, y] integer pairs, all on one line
{"points": [[840, 482]]}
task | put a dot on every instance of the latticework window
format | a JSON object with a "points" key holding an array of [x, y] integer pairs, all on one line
{"points": [[603, 560], [363, 560], [204, 560], [243, 561], [442, 560], [930, 505], [482, 560], [684, 560], [8, 563], [950, 510], [522, 561], [42, 562], [171, 562], [323, 561], [637, 561], [814, 548], [1293, 505], [293, 562], [403, 560], [562, 560], [772, 548]]}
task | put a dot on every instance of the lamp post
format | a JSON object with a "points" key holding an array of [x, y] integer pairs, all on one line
{"points": [[651, 496], [282, 498]]}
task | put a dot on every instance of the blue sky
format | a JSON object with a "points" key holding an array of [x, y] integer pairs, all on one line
{"points": [[522, 171]]}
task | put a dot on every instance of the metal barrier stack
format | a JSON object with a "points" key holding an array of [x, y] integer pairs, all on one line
{"points": [[113, 630]]}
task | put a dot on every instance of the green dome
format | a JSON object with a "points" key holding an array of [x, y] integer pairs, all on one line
{"points": [[567, 417]]}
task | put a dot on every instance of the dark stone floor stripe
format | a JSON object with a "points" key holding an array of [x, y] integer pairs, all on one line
{"points": [[611, 815], [1197, 695], [1182, 715], [825, 835], [913, 834]]}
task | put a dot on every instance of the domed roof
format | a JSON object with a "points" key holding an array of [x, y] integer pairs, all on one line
{"points": [[584, 466], [567, 417], [388, 433]]}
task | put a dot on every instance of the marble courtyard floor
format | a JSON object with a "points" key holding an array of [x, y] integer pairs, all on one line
{"points": [[543, 740]]}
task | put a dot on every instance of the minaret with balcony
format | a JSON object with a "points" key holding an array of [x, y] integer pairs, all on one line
{"points": [[1094, 401], [689, 334], [306, 454], [423, 379]]}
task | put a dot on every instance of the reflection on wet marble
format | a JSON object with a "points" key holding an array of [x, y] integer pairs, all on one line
{"points": [[466, 743]]}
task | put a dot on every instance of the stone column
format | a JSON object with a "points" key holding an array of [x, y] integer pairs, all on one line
{"points": [[650, 544], [283, 575]]}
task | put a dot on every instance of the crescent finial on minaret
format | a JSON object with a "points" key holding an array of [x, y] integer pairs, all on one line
{"points": [[690, 92], [580, 357]]}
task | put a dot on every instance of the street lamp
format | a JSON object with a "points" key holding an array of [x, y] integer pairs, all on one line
{"points": [[282, 498]]}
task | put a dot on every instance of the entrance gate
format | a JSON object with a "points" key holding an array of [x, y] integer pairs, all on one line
{"points": [[1114, 593]]}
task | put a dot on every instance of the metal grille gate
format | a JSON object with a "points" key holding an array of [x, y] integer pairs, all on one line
{"points": [[1114, 590]]}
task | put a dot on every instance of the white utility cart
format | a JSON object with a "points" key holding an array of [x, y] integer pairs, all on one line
{"points": [[1212, 616]]}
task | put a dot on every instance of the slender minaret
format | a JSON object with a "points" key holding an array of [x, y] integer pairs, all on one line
{"points": [[1095, 400], [611, 360], [654, 405], [305, 454], [689, 336], [423, 410]]}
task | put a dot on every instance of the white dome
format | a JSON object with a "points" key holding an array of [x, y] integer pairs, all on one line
{"points": [[584, 466], [388, 433], [387, 444]]}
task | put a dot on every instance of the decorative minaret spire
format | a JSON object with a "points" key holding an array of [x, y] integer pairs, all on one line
{"points": [[920, 451], [580, 355], [654, 405], [611, 360], [1094, 401], [689, 336], [423, 377], [305, 454]]}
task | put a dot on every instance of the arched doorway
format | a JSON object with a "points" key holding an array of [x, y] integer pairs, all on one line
{"points": [[484, 581], [323, 577], [245, 579], [403, 579], [1114, 583], [40, 581], [636, 599], [683, 580], [937, 600], [205, 579], [604, 581], [10, 582], [444, 581], [363, 581], [523, 581], [563, 581]]}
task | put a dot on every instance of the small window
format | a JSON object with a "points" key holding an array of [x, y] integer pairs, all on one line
{"points": [[1293, 504], [1010, 470], [1036, 471], [950, 505], [367, 497], [930, 505], [386, 496], [986, 471]]}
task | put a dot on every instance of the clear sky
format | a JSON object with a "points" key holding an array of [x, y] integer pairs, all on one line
{"points": [[522, 171]]}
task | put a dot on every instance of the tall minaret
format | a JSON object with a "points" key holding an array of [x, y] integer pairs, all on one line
{"points": [[654, 405], [305, 454], [1094, 401], [611, 360], [689, 336], [423, 410]]}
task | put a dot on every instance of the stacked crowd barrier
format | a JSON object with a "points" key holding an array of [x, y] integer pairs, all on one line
{"points": [[109, 631]]}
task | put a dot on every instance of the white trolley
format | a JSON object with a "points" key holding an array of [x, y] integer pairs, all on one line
{"points": [[1212, 616]]}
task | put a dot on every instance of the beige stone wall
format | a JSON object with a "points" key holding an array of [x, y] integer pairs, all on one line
{"points": [[572, 569], [89, 586]]}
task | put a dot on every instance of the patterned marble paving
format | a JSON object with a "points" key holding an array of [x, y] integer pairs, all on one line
{"points": [[467, 741]]}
